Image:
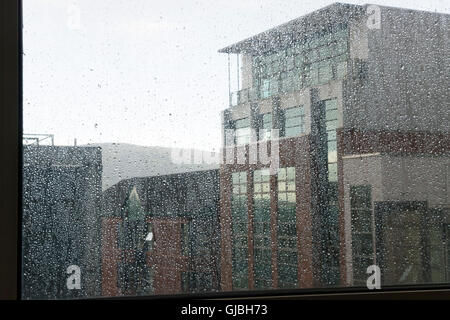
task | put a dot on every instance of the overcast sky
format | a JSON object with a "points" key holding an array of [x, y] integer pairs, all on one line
{"points": [[145, 72]]}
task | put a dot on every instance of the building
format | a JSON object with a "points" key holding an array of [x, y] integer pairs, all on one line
{"points": [[161, 235], [359, 98], [60, 221]]}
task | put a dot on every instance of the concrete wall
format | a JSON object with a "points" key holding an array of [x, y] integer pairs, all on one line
{"points": [[396, 178], [400, 178], [407, 80]]}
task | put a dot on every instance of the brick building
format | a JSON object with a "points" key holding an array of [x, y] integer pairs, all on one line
{"points": [[359, 97], [160, 235]]}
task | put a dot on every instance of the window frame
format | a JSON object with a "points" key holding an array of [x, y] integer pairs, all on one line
{"points": [[11, 145], [301, 117]]}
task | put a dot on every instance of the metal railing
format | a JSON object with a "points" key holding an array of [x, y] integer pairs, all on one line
{"points": [[37, 138]]}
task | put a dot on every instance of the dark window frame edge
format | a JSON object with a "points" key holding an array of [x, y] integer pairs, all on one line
{"points": [[11, 142]]}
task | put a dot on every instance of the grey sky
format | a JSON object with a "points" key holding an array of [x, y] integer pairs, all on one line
{"points": [[142, 71]]}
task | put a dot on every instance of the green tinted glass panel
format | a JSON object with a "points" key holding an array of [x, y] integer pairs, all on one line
{"points": [[332, 171], [313, 56], [332, 145], [341, 69], [287, 273], [293, 122], [331, 104], [299, 60], [312, 76], [287, 257], [267, 120], [325, 74], [293, 131], [331, 125], [243, 123], [332, 156], [294, 112], [290, 173], [331, 114], [287, 229], [331, 135]]}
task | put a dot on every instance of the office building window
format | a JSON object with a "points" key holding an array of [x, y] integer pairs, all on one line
{"points": [[185, 281], [299, 60], [194, 281], [243, 131], [294, 121], [287, 229], [361, 217], [312, 75], [318, 60], [261, 228], [331, 222], [286, 82], [239, 216], [290, 62], [274, 86], [185, 232], [446, 252], [325, 72], [265, 88], [341, 69], [331, 123], [266, 127]]}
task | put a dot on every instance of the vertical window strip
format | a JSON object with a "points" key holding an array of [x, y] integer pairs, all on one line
{"points": [[331, 123], [332, 220], [361, 228], [261, 229], [294, 121], [239, 215], [243, 131], [266, 130], [287, 229]]}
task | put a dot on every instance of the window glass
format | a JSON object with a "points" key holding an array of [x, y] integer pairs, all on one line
{"points": [[266, 129], [287, 234], [290, 62], [140, 176], [341, 69], [331, 115], [294, 121], [240, 230], [243, 132], [261, 231], [273, 86], [325, 73], [265, 88]]}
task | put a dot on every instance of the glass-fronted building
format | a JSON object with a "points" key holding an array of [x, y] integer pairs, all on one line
{"points": [[324, 89]]}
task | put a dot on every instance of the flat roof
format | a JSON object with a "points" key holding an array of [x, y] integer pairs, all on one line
{"points": [[294, 30]]}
